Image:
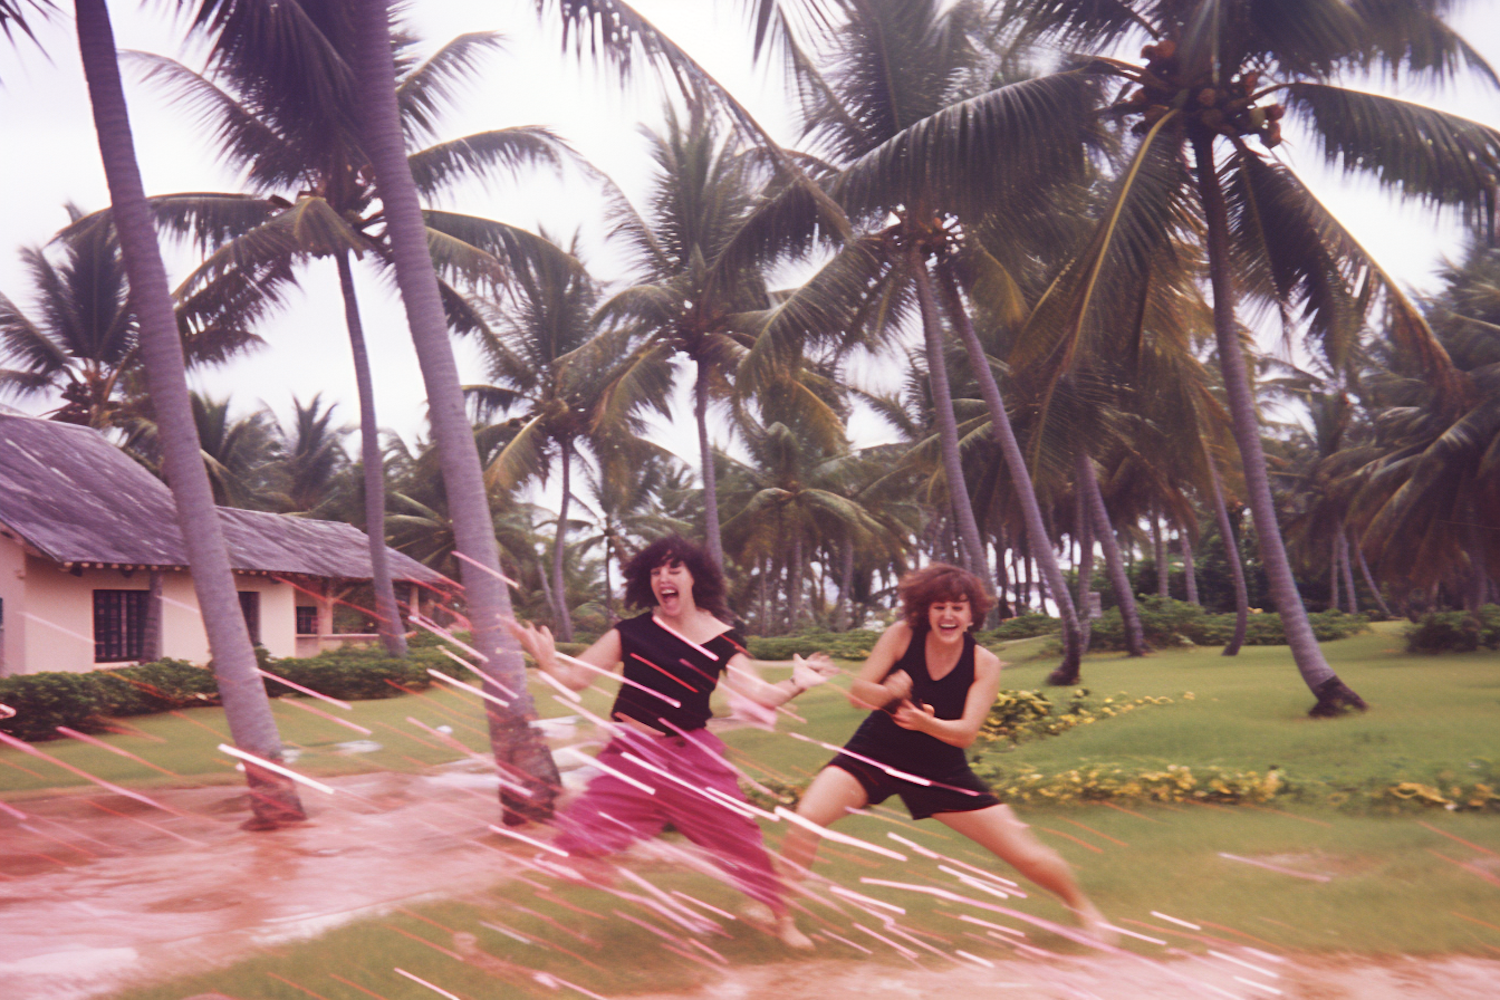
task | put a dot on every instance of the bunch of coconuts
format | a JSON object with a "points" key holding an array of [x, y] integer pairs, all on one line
{"points": [[1227, 110]]}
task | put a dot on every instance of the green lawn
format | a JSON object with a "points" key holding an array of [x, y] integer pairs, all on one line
{"points": [[1367, 877]]}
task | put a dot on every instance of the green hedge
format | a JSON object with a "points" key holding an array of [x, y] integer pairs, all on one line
{"points": [[852, 645], [1455, 631], [85, 701], [1168, 623], [1021, 627]]}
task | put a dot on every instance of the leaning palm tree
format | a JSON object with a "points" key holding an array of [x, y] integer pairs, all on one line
{"points": [[1213, 74], [931, 144], [518, 749], [311, 196], [274, 798]]}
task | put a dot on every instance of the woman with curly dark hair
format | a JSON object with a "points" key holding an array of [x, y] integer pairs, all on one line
{"points": [[931, 687], [662, 766]]}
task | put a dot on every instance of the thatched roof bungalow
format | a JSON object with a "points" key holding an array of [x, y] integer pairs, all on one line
{"points": [[84, 532]]}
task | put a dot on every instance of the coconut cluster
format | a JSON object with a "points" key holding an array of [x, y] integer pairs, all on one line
{"points": [[1226, 109]]}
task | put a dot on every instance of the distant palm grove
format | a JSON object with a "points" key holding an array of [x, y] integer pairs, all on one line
{"points": [[1067, 223]]}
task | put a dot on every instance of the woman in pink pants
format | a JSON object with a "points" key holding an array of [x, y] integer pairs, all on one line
{"points": [[663, 766]]}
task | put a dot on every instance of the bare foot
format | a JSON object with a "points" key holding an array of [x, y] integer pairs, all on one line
{"points": [[782, 928], [1094, 925]]}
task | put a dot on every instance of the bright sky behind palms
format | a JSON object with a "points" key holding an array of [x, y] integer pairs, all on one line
{"points": [[51, 158]]}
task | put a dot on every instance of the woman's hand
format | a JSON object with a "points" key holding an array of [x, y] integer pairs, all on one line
{"points": [[899, 685], [814, 670], [912, 715], [538, 642]]}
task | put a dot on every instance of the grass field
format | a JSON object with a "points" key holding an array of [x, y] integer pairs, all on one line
{"points": [[1322, 868]]}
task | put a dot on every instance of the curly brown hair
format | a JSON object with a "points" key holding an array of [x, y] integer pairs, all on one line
{"points": [[920, 589], [708, 579]]}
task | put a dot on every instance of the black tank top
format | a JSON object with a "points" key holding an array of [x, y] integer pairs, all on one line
{"points": [[664, 662], [879, 738]]}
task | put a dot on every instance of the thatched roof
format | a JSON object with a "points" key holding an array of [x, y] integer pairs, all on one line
{"points": [[77, 499]]}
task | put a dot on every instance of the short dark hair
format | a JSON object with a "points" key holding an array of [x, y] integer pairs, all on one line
{"points": [[922, 588], [708, 579]]}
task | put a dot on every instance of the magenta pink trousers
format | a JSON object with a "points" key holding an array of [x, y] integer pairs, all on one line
{"points": [[612, 814]]}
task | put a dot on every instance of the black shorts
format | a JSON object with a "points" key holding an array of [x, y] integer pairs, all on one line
{"points": [[921, 801]]}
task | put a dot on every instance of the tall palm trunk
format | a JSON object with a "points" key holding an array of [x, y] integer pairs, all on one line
{"points": [[1159, 553], [966, 528], [559, 547], [1135, 640], [794, 584], [1370, 585], [152, 631], [518, 749], [387, 611], [1350, 597], [1333, 574], [273, 798], [710, 473], [1189, 571], [1004, 434], [1236, 566], [1083, 526], [1332, 694], [846, 582]]}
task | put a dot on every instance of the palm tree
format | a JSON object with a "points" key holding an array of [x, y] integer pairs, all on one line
{"points": [[312, 196], [518, 748], [545, 355], [677, 301], [307, 474], [795, 490], [908, 147], [1213, 69], [1427, 500], [274, 798], [83, 341]]}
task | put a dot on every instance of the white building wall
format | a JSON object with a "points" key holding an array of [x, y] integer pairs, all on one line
{"points": [[13, 596], [58, 610]]}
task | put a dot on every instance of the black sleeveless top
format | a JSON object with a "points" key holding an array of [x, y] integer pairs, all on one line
{"points": [[664, 662], [879, 738]]}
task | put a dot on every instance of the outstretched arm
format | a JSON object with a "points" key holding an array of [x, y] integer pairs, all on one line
{"points": [[743, 677], [605, 654], [962, 731], [873, 688]]}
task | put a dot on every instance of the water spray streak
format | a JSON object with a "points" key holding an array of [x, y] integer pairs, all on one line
{"points": [[468, 687], [324, 715], [28, 748], [622, 679], [277, 768], [92, 741], [842, 838], [667, 628], [479, 565]]}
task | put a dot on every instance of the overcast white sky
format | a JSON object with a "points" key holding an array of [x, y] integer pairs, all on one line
{"points": [[50, 157]]}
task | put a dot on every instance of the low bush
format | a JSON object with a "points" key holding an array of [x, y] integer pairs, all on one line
{"points": [[85, 701], [42, 702], [853, 645], [1167, 623], [1021, 627], [355, 674], [1455, 631]]}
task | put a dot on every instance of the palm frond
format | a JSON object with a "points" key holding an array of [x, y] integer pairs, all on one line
{"points": [[242, 137], [431, 87], [476, 157], [1011, 143], [1419, 151]]}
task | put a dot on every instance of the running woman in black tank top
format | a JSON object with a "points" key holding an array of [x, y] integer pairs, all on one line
{"points": [[931, 687]]}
